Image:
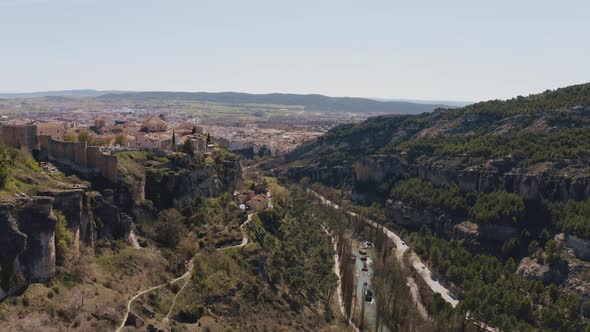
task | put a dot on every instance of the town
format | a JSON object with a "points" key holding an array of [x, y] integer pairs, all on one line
{"points": [[132, 129]]}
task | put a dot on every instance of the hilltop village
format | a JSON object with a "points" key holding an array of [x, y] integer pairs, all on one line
{"points": [[129, 128]]}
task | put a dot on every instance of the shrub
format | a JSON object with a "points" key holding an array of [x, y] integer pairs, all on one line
{"points": [[190, 315], [63, 239], [170, 228]]}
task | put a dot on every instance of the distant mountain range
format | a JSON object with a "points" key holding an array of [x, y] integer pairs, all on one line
{"points": [[61, 93], [312, 102], [453, 103]]}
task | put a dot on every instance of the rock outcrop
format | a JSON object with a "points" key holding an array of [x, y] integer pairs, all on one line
{"points": [[175, 188], [111, 224], [448, 226], [580, 246], [27, 240]]}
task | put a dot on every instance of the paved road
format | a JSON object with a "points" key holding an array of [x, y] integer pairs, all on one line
{"points": [[401, 248], [417, 264]]}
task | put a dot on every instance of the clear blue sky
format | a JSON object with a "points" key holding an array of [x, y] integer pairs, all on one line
{"points": [[454, 50]]}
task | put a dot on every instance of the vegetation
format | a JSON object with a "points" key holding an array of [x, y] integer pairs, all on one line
{"points": [[423, 193], [121, 139], [299, 254], [529, 148], [572, 217], [170, 229], [84, 136], [188, 147], [493, 293], [64, 238], [551, 99], [7, 157], [495, 207], [498, 207]]}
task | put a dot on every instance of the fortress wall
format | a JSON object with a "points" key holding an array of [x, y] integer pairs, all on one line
{"points": [[108, 166], [22, 137], [82, 158], [85, 159], [92, 155]]}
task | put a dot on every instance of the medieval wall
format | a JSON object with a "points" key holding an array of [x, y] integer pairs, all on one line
{"points": [[22, 137], [88, 160]]}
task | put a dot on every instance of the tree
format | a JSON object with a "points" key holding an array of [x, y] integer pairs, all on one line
{"points": [[208, 138], [170, 229], [64, 237], [70, 137], [188, 147], [121, 139], [85, 137], [194, 130]]}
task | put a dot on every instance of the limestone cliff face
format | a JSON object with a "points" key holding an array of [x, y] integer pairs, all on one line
{"points": [[176, 188], [545, 181], [580, 246], [443, 224], [110, 222], [70, 203], [372, 172], [27, 240], [336, 176]]}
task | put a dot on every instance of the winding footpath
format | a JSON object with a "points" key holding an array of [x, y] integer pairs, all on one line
{"points": [[133, 240], [245, 239], [122, 325]]}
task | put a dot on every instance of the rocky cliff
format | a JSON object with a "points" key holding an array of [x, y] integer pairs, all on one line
{"points": [[27, 240], [27, 232], [174, 188], [448, 226]]}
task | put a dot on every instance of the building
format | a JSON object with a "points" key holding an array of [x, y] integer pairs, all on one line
{"points": [[200, 142], [153, 141], [190, 127], [154, 124], [56, 131]]}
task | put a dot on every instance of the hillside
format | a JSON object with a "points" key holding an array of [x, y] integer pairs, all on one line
{"points": [[523, 127], [500, 184], [316, 103]]}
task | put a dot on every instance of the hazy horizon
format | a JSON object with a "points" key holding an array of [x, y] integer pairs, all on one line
{"points": [[454, 51]]}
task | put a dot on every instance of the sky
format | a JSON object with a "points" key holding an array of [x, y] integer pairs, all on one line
{"points": [[465, 50]]}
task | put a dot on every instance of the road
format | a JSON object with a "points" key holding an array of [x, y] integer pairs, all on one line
{"points": [[401, 248], [417, 264]]}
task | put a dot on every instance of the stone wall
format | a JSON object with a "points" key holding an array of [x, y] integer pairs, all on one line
{"points": [[21, 137], [88, 160]]}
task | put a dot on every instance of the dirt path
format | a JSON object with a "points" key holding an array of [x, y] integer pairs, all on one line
{"points": [[122, 325], [132, 240], [167, 318], [245, 239]]}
